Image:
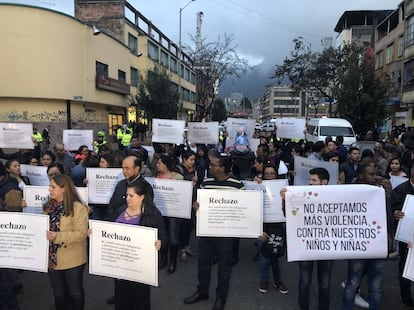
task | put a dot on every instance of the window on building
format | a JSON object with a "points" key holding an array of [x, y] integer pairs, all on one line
{"points": [[400, 46], [164, 59], [409, 33], [185, 94], [409, 73], [134, 77], [390, 54], [193, 97], [114, 121], [133, 43], [101, 69], [187, 74], [173, 65], [121, 75], [193, 78], [379, 59], [153, 51]]}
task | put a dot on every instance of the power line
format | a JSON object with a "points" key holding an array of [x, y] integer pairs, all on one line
{"points": [[244, 11]]}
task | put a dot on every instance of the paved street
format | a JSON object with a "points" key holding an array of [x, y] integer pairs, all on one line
{"points": [[244, 293]]}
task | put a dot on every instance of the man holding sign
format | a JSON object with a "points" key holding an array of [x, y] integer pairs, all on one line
{"points": [[318, 176], [397, 201], [209, 247]]}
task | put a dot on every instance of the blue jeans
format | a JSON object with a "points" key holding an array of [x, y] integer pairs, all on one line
{"points": [[264, 263], [67, 288], [324, 283], [356, 268]]}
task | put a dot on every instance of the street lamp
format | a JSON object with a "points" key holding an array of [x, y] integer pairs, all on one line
{"points": [[180, 55]]}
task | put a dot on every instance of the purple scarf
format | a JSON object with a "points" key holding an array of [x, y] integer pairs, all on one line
{"points": [[55, 212]]}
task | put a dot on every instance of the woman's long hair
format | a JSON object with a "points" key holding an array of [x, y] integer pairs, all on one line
{"points": [[143, 188], [70, 195]]}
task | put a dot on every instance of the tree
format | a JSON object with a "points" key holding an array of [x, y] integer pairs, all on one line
{"points": [[308, 71], [361, 95], [345, 74], [219, 112], [157, 96], [214, 62]]}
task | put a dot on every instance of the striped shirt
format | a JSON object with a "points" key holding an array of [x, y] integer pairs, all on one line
{"points": [[229, 183]]}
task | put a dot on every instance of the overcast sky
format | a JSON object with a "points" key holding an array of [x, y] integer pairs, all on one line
{"points": [[263, 29]]}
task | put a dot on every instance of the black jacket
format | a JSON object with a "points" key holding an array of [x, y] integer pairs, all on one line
{"points": [[150, 217], [399, 193], [118, 199]]}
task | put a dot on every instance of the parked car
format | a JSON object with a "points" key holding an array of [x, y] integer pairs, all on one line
{"points": [[269, 127]]}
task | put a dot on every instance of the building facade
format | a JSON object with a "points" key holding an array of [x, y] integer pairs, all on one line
{"points": [[389, 54], [408, 62], [280, 101], [150, 46], [50, 72], [61, 71]]}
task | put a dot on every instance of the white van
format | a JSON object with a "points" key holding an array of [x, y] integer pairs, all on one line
{"points": [[318, 128]]}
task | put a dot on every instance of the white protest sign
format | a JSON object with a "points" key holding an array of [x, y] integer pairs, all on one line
{"points": [[168, 131], [123, 251], [336, 222], [303, 165], [172, 197], [36, 196], [272, 202], [101, 183], [23, 242], [205, 133], [229, 213], [290, 128], [233, 125], [74, 138], [36, 174], [408, 271], [405, 228], [16, 135]]}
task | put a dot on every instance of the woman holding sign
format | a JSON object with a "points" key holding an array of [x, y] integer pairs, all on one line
{"points": [[68, 219], [140, 210], [166, 168]]}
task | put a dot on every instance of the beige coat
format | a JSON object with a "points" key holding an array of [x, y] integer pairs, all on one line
{"points": [[72, 238]]}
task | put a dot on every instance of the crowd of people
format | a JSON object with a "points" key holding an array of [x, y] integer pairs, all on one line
{"points": [[388, 165]]}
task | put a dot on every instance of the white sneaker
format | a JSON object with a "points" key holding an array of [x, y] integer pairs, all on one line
{"points": [[360, 302]]}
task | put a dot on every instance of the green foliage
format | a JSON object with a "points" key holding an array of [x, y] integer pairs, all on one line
{"points": [[219, 112], [157, 96], [360, 94], [345, 75]]}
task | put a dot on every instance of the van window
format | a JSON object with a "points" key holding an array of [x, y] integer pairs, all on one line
{"points": [[336, 131], [311, 130]]}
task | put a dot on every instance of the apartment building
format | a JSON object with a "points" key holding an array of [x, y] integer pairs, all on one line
{"points": [[69, 73], [408, 62], [280, 101], [389, 54], [149, 47]]}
